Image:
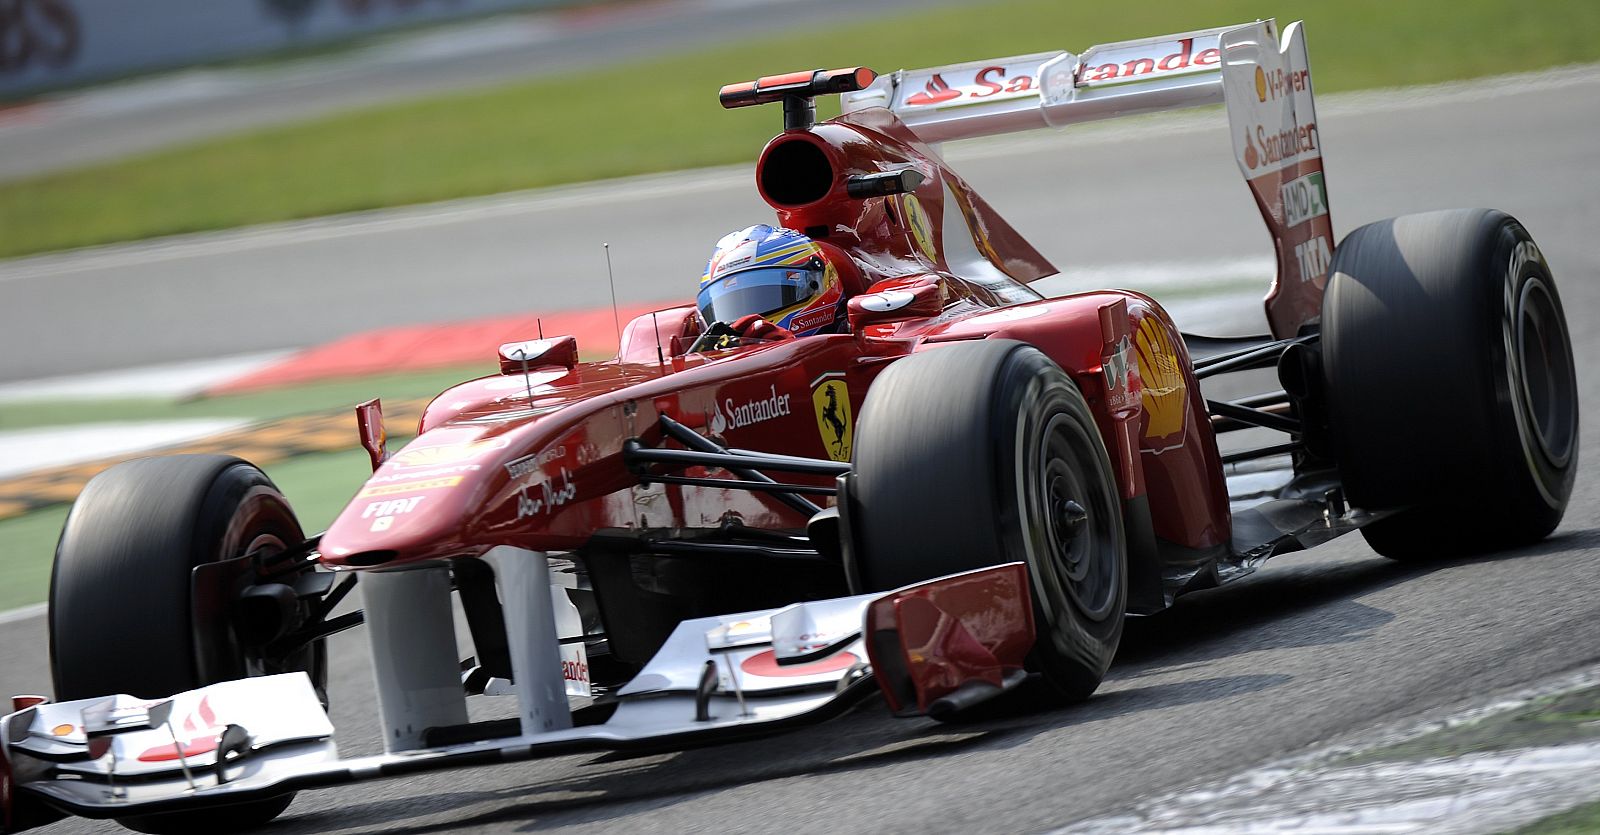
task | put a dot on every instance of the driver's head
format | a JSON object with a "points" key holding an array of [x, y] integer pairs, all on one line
{"points": [[779, 274]]}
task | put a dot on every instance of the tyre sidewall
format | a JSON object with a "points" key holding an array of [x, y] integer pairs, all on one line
{"points": [[1080, 648], [1534, 485]]}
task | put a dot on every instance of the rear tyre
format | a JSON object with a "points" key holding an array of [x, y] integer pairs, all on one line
{"points": [[981, 453], [1450, 379], [122, 618]]}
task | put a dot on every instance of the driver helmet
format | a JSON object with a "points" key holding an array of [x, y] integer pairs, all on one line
{"points": [[779, 274]]}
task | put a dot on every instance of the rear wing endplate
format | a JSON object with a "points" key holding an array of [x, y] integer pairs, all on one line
{"points": [[1264, 81]]}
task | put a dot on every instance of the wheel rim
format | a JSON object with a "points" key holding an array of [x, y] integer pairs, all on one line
{"points": [[258, 527], [1074, 513], [254, 527], [1547, 396]]}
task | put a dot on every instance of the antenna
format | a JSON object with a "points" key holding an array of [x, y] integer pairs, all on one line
{"points": [[610, 279], [527, 380], [661, 358]]}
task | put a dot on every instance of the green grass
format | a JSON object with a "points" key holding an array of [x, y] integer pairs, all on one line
{"points": [[262, 405], [27, 545], [1584, 820], [318, 486], [662, 114]]}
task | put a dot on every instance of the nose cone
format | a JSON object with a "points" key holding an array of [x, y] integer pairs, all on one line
{"points": [[415, 506]]}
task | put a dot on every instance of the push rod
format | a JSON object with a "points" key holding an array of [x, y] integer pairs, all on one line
{"points": [[695, 441]]}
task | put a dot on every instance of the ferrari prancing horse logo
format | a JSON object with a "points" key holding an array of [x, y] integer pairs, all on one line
{"points": [[831, 397]]}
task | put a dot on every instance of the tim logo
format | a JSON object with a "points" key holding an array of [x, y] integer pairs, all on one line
{"points": [[831, 399]]}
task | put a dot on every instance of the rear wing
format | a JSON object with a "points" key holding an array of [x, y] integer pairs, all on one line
{"points": [[1263, 80]]}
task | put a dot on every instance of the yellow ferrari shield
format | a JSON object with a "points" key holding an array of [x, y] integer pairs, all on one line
{"points": [[921, 228], [831, 397]]}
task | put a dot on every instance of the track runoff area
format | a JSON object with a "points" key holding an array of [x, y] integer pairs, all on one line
{"points": [[383, 351]]}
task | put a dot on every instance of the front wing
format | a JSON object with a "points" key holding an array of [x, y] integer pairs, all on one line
{"points": [[935, 646]]}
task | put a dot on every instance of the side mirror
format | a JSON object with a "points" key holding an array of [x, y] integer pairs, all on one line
{"points": [[516, 357], [896, 300], [863, 186]]}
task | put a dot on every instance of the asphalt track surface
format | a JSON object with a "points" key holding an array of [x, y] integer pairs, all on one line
{"points": [[1315, 647]]}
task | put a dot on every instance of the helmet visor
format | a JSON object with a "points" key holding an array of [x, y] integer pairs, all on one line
{"points": [[763, 291]]}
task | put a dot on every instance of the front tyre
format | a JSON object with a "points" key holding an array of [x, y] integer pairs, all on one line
{"points": [[981, 453], [1450, 379], [122, 617]]}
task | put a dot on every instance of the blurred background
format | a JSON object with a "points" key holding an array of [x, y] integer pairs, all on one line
{"points": [[225, 222]]}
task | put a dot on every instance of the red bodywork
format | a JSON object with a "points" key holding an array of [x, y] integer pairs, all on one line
{"points": [[535, 460]]}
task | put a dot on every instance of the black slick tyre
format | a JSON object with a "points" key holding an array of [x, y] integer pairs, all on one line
{"points": [[1450, 380], [121, 615], [981, 453]]}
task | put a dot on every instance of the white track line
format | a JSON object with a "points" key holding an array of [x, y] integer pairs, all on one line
{"points": [[25, 450], [23, 613], [167, 380], [1323, 792]]}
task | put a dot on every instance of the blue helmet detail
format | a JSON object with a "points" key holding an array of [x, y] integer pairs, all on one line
{"points": [[777, 273]]}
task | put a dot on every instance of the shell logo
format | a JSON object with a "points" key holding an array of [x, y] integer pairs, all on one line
{"points": [[1261, 84], [1161, 374]]}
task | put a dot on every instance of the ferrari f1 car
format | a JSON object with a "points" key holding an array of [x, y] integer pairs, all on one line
{"points": [[712, 536]]}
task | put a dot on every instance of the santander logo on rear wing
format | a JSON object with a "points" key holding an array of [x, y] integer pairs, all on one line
{"points": [[1007, 79], [1263, 79]]}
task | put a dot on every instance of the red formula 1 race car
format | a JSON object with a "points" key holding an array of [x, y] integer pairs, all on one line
{"points": [[957, 487]]}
